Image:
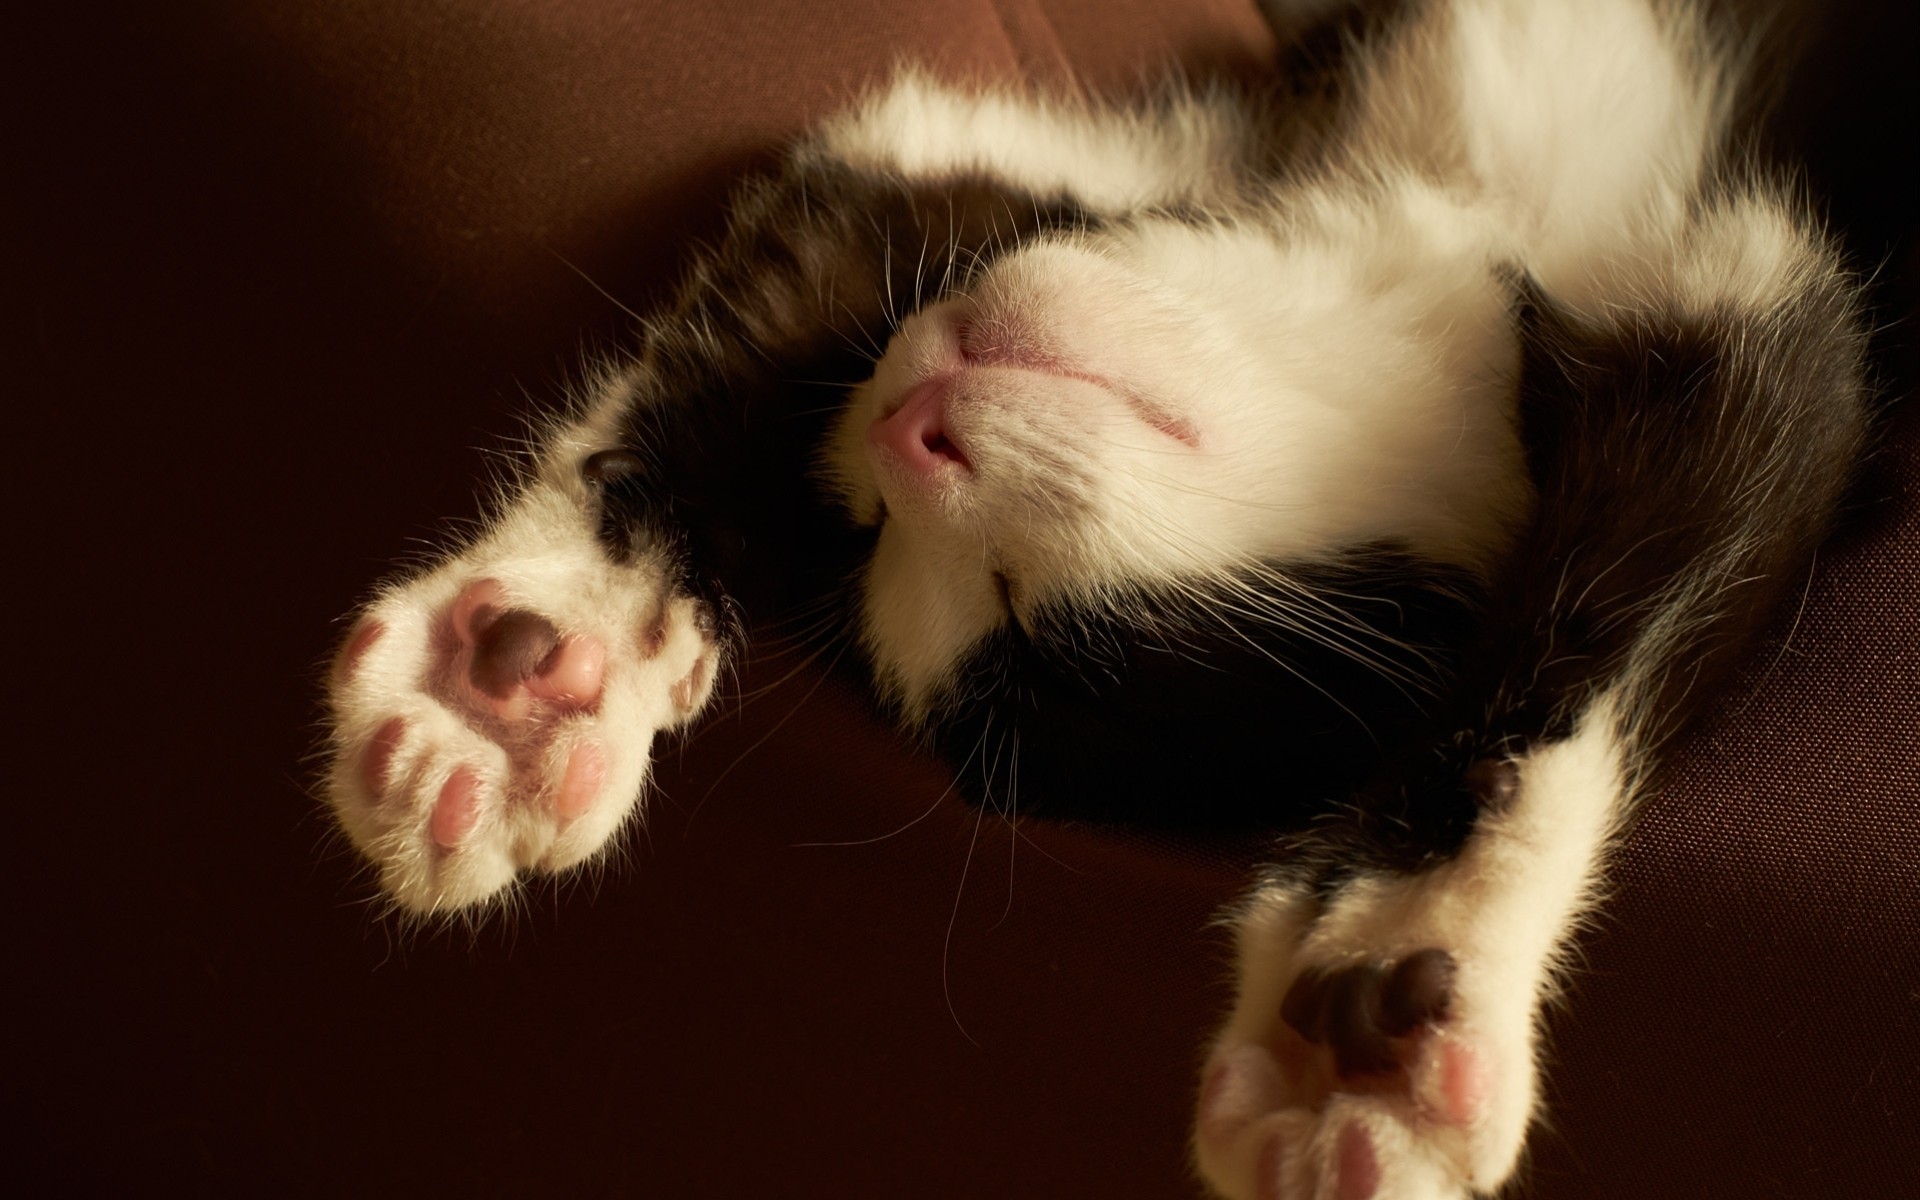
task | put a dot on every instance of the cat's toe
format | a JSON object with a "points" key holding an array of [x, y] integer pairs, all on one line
{"points": [[375, 769], [580, 780]]}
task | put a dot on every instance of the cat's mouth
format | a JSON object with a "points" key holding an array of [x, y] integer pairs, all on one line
{"points": [[985, 341]]}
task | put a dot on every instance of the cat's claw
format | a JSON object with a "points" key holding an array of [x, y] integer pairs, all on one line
{"points": [[496, 714]]}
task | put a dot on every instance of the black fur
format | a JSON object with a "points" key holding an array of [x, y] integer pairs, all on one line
{"points": [[744, 375], [1208, 710], [1687, 467]]}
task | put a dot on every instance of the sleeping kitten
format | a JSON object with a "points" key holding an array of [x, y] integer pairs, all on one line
{"points": [[1397, 455]]}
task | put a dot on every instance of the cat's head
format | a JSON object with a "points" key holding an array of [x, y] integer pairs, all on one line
{"points": [[1133, 485]]}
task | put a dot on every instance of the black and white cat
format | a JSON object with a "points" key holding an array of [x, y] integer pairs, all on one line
{"points": [[1395, 454]]}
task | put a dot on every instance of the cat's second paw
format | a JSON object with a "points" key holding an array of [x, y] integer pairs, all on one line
{"points": [[1383, 1039], [1375, 1083], [496, 714]]}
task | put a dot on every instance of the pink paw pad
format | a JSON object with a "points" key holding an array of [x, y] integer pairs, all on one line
{"points": [[377, 762], [1239, 1087], [348, 660], [514, 657], [1356, 1165], [1267, 1171], [457, 810], [1462, 1083], [586, 771]]}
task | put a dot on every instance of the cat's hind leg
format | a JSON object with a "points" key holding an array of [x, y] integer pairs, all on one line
{"points": [[1688, 450], [1383, 1041]]}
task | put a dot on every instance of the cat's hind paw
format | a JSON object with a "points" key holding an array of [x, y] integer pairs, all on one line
{"points": [[1368, 1088], [1382, 1044]]}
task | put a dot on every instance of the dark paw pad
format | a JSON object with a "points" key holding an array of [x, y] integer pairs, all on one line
{"points": [[510, 648], [1358, 1010]]}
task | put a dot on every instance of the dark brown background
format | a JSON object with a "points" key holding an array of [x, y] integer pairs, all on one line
{"points": [[280, 278]]}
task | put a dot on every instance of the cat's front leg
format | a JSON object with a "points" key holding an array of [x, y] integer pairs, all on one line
{"points": [[1383, 1040], [495, 714]]}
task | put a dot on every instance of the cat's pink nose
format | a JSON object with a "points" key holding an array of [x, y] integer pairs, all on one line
{"points": [[916, 434]]}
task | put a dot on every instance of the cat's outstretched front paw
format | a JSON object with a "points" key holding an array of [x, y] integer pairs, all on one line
{"points": [[496, 714], [1382, 1043]]}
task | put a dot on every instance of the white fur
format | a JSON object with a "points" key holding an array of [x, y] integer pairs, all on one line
{"points": [[1339, 349], [1585, 126], [1110, 160], [1748, 252]]}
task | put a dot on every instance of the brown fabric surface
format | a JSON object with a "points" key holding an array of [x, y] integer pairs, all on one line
{"points": [[1747, 1022], [277, 271]]}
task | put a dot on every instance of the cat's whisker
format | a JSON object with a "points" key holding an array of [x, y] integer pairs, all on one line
{"points": [[1012, 817], [591, 282], [953, 918], [868, 347], [919, 275], [768, 735], [746, 698]]}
